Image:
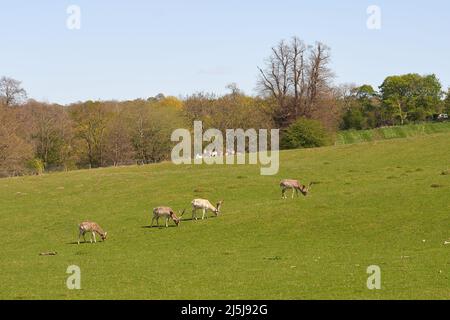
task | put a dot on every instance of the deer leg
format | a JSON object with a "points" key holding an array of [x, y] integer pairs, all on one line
{"points": [[79, 236], [95, 240], [194, 214], [84, 236], [167, 222], [153, 219], [204, 212], [157, 221], [293, 191]]}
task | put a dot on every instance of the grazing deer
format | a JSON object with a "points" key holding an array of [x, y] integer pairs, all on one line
{"points": [[295, 186], [205, 205], [93, 228], [167, 213]]}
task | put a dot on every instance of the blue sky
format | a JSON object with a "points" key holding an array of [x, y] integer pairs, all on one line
{"points": [[131, 49]]}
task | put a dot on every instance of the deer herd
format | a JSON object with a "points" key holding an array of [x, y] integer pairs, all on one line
{"points": [[197, 204]]}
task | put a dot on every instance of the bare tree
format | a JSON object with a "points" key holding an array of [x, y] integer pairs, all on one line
{"points": [[11, 92], [298, 74], [91, 119], [319, 75], [119, 150], [15, 151], [51, 132], [276, 79], [295, 76]]}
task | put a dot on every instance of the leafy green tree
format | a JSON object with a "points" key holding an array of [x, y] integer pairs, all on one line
{"points": [[447, 102], [354, 118], [410, 97], [361, 109]]}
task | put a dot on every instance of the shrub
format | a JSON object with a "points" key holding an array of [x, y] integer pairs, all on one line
{"points": [[36, 166], [305, 133]]}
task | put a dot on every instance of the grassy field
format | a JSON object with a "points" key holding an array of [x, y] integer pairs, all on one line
{"points": [[386, 133], [382, 203]]}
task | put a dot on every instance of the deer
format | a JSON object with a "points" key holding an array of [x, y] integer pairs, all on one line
{"points": [[205, 205], [295, 186], [92, 227], [167, 213]]}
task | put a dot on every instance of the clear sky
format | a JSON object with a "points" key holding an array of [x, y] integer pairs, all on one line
{"points": [[132, 49]]}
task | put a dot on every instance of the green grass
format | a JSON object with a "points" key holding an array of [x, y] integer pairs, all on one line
{"points": [[386, 133], [373, 204]]}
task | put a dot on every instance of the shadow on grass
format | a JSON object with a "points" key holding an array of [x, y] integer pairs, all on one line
{"points": [[159, 227], [87, 242], [198, 219], [173, 225]]}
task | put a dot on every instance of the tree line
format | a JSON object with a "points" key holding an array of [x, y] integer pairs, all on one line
{"points": [[295, 94]]}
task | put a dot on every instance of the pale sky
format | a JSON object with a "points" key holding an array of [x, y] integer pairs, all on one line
{"points": [[136, 49]]}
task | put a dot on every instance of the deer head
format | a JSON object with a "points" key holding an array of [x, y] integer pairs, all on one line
{"points": [[219, 204], [176, 219], [305, 189], [103, 235]]}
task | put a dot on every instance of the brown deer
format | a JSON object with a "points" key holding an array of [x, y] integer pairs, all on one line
{"points": [[92, 227], [167, 213], [295, 186]]}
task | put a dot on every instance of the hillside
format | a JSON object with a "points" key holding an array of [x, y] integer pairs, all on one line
{"points": [[382, 203], [395, 132]]}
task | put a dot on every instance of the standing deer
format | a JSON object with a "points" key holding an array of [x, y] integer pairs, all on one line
{"points": [[205, 205], [295, 186], [167, 213], [93, 228]]}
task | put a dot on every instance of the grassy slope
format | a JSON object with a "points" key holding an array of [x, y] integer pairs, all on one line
{"points": [[386, 133], [374, 204]]}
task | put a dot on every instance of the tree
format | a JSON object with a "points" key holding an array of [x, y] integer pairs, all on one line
{"points": [[295, 76], [360, 107], [51, 133], [90, 122], [275, 80], [119, 149], [447, 102], [170, 102], [11, 92], [15, 151], [410, 97], [233, 110], [151, 125]]}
